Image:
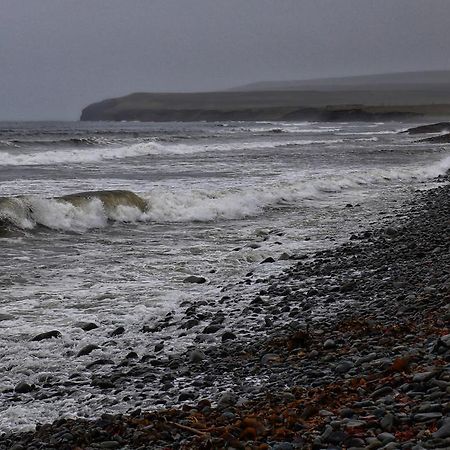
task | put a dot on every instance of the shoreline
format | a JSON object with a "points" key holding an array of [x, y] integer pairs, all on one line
{"points": [[375, 375]]}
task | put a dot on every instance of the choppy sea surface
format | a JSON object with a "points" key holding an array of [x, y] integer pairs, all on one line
{"points": [[212, 200]]}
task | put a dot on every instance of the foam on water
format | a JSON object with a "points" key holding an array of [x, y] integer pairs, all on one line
{"points": [[140, 149], [85, 211]]}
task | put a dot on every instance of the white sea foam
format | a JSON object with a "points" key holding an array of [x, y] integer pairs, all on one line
{"points": [[70, 156], [184, 205]]}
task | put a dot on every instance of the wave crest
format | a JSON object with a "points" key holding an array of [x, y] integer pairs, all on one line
{"points": [[86, 210], [75, 212]]}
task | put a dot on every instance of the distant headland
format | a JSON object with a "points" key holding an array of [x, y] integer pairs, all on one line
{"points": [[358, 98]]}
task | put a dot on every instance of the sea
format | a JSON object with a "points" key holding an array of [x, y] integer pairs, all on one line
{"points": [[103, 223]]}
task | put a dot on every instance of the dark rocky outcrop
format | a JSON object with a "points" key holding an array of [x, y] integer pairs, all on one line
{"points": [[428, 129], [441, 139]]}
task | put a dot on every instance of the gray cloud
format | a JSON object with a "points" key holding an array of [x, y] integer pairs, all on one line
{"points": [[59, 55]]}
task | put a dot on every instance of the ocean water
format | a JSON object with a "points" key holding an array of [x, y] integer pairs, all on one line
{"points": [[102, 222]]}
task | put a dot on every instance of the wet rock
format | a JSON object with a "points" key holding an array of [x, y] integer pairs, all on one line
{"points": [[387, 422], [438, 127], [444, 430], [196, 356], [87, 349], [423, 376], [269, 358], [87, 326], [159, 347], [102, 383], [109, 444], [24, 388], [117, 332], [425, 417], [226, 400], [211, 329], [47, 335], [228, 335], [385, 438], [187, 395], [194, 279], [282, 446], [267, 260], [189, 324], [99, 362], [329, 344], [344, 367]]}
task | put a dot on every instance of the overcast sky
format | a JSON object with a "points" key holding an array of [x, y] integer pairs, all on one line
{"points": [[56, 56]]}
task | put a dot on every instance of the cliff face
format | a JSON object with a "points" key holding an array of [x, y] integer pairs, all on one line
{"points": [[270, 105]]}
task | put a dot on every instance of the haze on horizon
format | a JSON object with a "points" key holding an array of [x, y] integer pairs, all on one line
{"points": [[60, 55]]}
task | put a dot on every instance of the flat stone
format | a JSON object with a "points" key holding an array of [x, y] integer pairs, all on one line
{"points": [[109, 444], [282, 446], [423, 376], [423, 417], [382, 392]]}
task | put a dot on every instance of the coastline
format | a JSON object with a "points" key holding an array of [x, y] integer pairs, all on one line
{"points": [[374, 374]]}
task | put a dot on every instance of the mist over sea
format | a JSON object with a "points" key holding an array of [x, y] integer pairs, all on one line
{"points": [[213, 200]]}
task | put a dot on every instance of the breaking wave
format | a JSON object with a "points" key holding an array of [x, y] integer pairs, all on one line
{"points": [[140, 149], [76, 212], [42, 143], [89, 210]]}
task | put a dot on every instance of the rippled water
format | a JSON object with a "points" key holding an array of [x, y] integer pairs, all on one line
{"points": [[219, 199]]}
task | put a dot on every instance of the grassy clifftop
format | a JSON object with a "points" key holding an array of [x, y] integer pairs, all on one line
{"points": [[355, 98]]}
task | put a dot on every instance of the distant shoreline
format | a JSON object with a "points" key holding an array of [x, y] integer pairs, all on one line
{"points": [[384, 97], [343, 106]]}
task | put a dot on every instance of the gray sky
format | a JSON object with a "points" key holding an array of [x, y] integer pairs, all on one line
{"points": [[59, 55]]}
